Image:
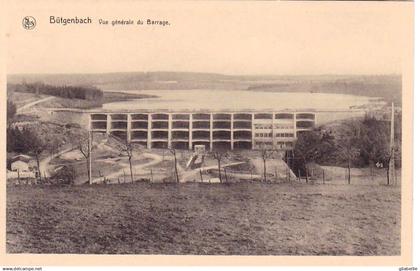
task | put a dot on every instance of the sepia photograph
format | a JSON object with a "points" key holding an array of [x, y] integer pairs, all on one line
{"points": [[200, 128]]}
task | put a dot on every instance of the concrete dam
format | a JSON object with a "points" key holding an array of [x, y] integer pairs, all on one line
{"points": [[225, 130]]}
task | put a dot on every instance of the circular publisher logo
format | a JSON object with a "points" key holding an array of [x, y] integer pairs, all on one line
{"points": [[29, 22]]}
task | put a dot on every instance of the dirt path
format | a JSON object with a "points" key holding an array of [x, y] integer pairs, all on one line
{"points": [[138, 169], [29, 105], [44, 164], [185, 175]]}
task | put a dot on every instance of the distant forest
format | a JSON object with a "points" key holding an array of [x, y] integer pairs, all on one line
{"points": [[70, 92], [388, 87]]}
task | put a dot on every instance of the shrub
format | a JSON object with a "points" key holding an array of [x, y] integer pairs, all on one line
{"points": [[65, 175]]}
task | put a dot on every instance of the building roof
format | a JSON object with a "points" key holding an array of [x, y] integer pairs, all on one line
{"points": [[22, 157]]}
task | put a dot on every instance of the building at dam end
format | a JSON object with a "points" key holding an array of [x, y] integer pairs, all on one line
{"points": [[228, 130]]}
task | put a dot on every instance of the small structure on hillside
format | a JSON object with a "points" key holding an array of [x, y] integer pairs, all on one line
{"points": [[22, 166], [197, 158], [200, 149], [21, 163]]}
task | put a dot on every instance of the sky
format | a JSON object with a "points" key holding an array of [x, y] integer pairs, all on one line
{"points": [[220, 37]]}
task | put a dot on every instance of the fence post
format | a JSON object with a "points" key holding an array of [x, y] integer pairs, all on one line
{"points": [[299, 174], [323, 176], [285, 175], [151, 174], [201, 176], [226, 178], [252, 178], [349, 176], [124, 175]]}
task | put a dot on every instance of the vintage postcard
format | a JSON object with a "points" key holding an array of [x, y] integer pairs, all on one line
{"points": [[206, 133]]}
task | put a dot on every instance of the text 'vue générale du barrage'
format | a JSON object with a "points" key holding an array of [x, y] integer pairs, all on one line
{"points": [[107, 22]]}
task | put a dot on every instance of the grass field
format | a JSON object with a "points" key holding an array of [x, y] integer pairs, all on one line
{"points": [[241, 218]]}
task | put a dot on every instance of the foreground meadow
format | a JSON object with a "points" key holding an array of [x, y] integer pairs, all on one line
{"points": [[231, 219]]}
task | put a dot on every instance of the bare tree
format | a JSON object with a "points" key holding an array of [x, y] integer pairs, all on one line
{"points": [[348, 145], [266, 154], [127, 148], [175, 164], [349, 153], [219, 155], [308, 148], [36, 151], [85, 148], [36, 143]]}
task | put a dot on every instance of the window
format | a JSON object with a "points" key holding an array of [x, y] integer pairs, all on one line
{"points": [[284, 135], [283, 126], [262, 126]]}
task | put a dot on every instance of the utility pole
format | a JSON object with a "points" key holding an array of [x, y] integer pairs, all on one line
{"points": [[391, 166], [90, 157], [175, 164]]}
